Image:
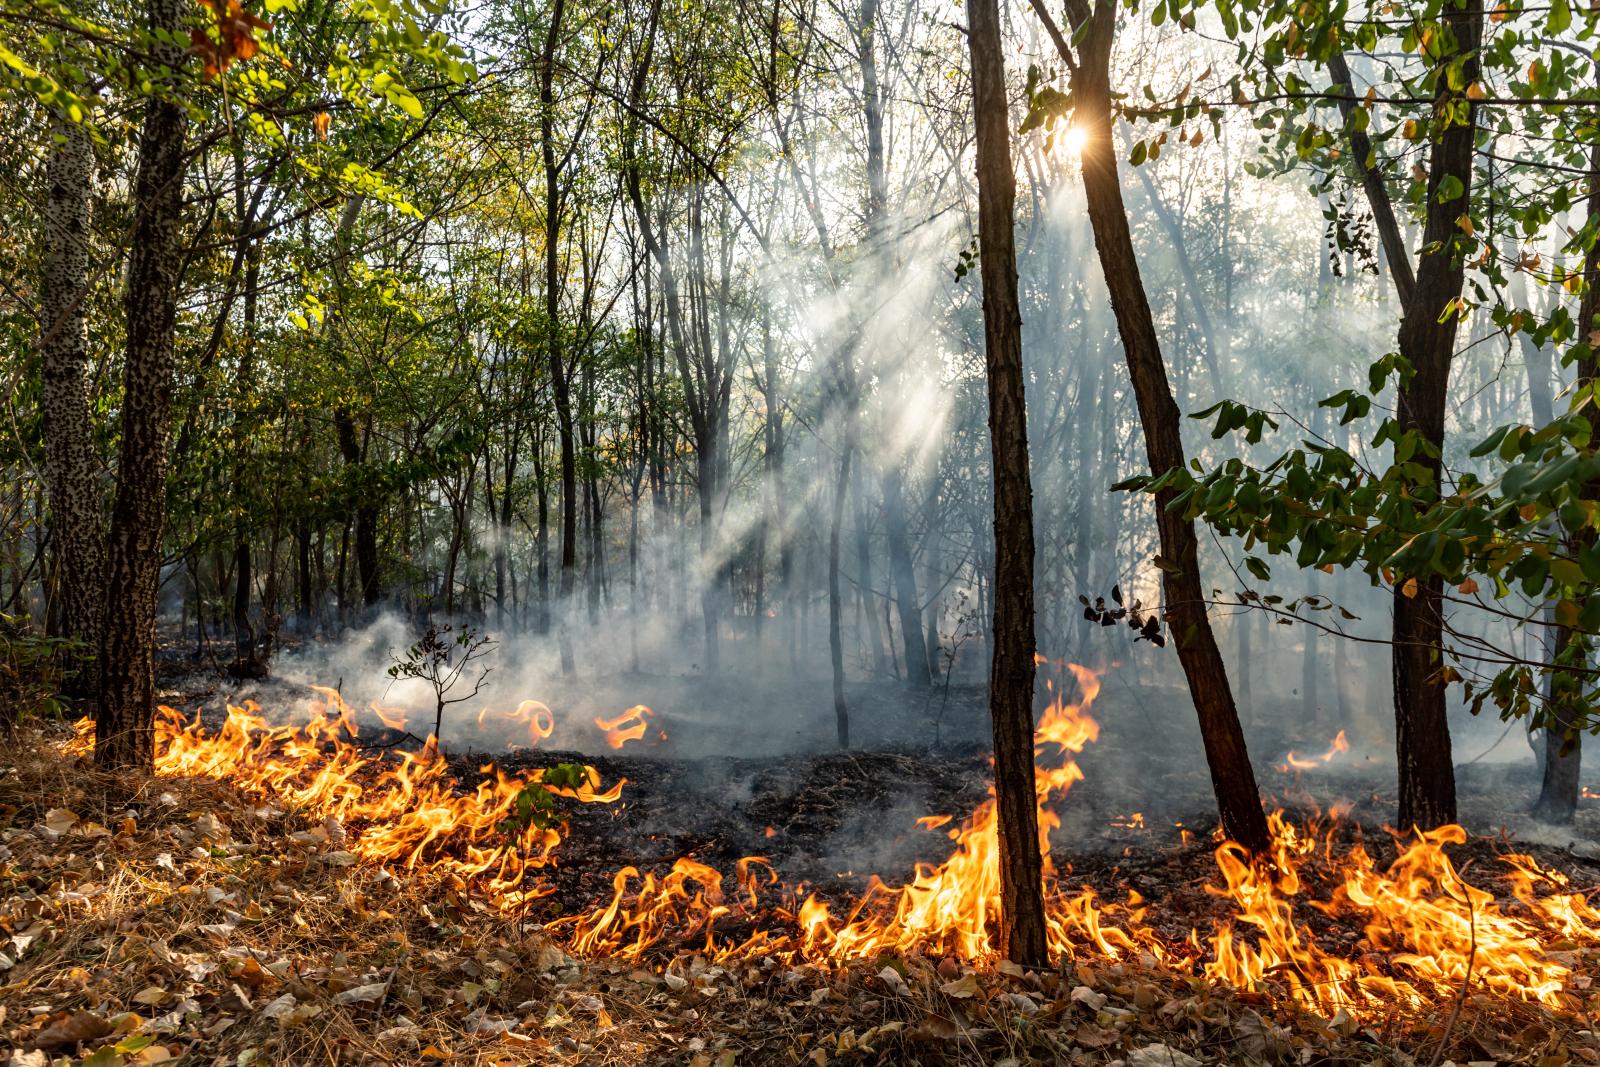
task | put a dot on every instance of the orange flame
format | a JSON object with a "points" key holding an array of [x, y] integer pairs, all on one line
{"points": [[1340, 745], [629, 726], [531, 715], [1427, 930], [411, 809]]}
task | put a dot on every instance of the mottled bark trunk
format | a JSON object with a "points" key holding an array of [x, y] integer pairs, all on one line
{"points": [[1011, 672], [124, 728], [72, 473]]}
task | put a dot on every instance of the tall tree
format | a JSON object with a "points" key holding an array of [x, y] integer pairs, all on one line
{"points": [[1427, 342], [72, 472], [560, 384], [1011, 670], [1559, 786], [124, 724], [1232, 777]]}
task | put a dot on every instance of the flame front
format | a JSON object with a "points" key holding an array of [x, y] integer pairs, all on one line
{"points": [[1427, 931], [412, 811]]}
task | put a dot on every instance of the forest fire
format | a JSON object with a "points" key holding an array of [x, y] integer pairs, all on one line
{"points": [[1426, 932]]}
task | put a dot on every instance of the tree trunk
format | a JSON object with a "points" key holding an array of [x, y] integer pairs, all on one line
{"points": [[919, 672], [841, 708], [353, 449], [71, 468], [1427, 341], [124, 726], [1011, 671], [1563, 729], [302, 585], [552, 298], [1232, 778]]}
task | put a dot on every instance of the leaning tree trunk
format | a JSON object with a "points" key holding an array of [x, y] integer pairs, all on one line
{"points": [[1232, 777], [1427, 341], [124, 726], [71, 476], [1011, 671]]}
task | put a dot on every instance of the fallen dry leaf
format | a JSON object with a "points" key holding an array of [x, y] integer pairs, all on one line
{"points": [[74, 1030]]}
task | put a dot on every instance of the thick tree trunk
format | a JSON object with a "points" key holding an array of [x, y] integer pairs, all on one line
{"points": [[124, 726], [1011, 672], [1232, 778], [71, 468], [1427, 341]]}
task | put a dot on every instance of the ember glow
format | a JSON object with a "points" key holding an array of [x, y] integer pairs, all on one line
{"points": [[1426, 930], [1339, 746]]}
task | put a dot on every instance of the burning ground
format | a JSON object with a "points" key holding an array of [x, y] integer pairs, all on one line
{"points": [[332, 892]]}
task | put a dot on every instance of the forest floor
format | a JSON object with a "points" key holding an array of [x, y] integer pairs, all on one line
{"points": [[177, 919]]}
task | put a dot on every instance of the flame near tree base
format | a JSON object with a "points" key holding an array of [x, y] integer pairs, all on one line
{"points": [[1428, 933]]}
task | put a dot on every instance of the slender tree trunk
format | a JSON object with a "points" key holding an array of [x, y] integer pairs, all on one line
{"points": [[866, 586], [1011, 672], [245, 659], [1563, 732], [1232, 777], [71, 467], [841, 708], [124, 726], [302, 588], [559, 384], [542, 537], [919, 672]]}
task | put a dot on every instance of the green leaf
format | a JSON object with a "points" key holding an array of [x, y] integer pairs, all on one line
{"points": [[1560, 17]]}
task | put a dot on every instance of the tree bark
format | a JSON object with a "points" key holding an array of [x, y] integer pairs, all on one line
{"points": [[124, 725], [919, 672], [1011, 672], [1232, 777], [559, 385], [841, 708], [1427, 342], [72, 476], [1559, 786]]}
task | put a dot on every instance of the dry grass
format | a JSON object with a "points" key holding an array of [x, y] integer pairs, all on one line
{"points": [[178, 920]]}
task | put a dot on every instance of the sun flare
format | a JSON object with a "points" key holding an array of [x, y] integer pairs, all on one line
{"points": [[1072, 141]]}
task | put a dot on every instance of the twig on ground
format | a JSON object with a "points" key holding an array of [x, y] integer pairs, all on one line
{"points": [[1466, 980]]}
